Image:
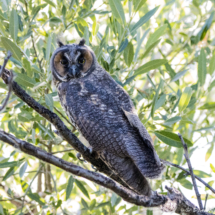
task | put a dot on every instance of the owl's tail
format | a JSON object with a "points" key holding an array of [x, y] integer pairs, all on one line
{"points": [[125, 168], [147, 161]]}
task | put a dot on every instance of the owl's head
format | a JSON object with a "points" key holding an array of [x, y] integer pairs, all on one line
{"points": [[72, 61]]}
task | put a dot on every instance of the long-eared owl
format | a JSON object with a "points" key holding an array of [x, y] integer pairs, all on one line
{"points": [[104, 114]]}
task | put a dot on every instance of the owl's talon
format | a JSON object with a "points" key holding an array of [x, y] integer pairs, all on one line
{"points": [[94, 168], [78, 155]]}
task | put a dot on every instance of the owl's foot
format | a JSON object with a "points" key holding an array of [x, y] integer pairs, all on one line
{"points": [[78, 155], [93, 153]]}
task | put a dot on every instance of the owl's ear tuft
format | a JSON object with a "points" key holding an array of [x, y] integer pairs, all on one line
{"points": [[82, 42], [60, 43]]}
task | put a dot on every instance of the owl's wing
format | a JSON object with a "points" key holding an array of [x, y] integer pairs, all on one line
{"points": [[135, 122], [124, 101]]}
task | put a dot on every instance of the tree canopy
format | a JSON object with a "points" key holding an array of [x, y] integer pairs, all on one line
{"points": [[162, 53]]}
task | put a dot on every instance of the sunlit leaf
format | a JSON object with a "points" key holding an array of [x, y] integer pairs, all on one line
{"points": [[171, 139], [212, 65], [179, 75], [69, 187], [50, 3], [172, 120], [11, 46], [129, 54], [23, 169], [149, 66], [24, 80], [13, 27], [212, 167], [155, 36], [123, 45], [202, 70], [82, 188], [117, 9], [185, 98], [138, 4], [201, 174], [144, 19], [49, 101]]}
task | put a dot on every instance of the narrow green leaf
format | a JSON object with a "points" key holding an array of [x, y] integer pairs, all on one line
{"points": [[48, 48], [92, 204], [160, 102], [208, 106], [84, 203], [1, 210], [113, 199], [171, 139], [185, 183], [129, 54], [11, 46], [202, 69], [55, 20], [23, 169], [50, 3], [123, 45], [11, 164], [201, 174], [185, 98], [139, 44], [36, 197], [138, 4], [156, 97], [178, 75], [212, 65], [13, 27], [69, 187], [86, 35], [212, 167], [144, 19], [9, 173], [209, 152], [82, 188], [149, 66], [117, 10], [24, 80], [150, 48], [49, 101], [172, 120], [155, 36]]}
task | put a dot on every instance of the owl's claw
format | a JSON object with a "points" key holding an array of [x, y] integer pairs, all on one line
{"points": [[78, 155], [94, 168]]}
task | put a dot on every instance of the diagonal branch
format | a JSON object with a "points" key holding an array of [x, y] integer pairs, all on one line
{"points": [[175, 201], [126, 194], [191, 172], [62, 129], [180, 167], [9, 54]]}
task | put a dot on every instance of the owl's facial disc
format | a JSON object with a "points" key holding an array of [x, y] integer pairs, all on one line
{"points": [[73, 62]]}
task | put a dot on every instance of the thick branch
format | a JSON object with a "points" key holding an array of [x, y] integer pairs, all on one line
{"points": [[175, 198], [126, 194], [191, 172], [62, 129]]}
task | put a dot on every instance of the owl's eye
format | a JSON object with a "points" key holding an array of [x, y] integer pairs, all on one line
{"points": [[64, 62], [81, 61]]}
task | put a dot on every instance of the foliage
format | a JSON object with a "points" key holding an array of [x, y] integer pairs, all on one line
{"points": [[162, 55]]}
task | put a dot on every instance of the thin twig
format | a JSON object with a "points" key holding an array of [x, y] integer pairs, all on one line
{"points": [[66, 150], [9, 54], [206, 198], [65, 118], [180, 167], [191, 171]]}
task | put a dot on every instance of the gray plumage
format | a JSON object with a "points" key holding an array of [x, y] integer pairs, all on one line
{"points": [[104, 114]]}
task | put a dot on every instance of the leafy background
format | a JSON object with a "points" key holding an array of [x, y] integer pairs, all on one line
{"points": [[161, 52]]}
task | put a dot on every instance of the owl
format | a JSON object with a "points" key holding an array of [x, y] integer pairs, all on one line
{"points": [[104, 114]]}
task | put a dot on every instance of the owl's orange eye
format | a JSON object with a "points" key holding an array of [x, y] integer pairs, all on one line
{"points": [[81, 61], [64, 62]]}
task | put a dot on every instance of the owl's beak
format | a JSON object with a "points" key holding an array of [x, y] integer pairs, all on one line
{"points": [[74, 71]]}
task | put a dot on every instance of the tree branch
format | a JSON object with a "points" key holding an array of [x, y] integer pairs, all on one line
{"points": [[180, 167], [174, 199], [191, 172], [62, 129], [9, 54]]}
